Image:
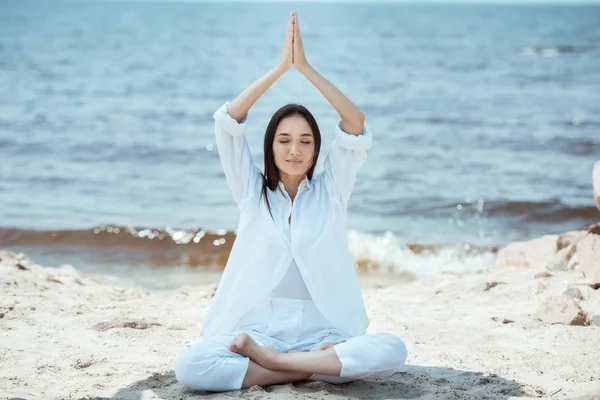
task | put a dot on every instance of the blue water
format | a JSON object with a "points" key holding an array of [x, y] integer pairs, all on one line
{"points": [[486, 118]]}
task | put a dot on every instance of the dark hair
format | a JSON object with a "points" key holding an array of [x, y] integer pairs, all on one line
{"points": [[271, 175]]}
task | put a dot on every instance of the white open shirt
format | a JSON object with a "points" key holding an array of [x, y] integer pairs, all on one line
{"points": [[317, 239]]}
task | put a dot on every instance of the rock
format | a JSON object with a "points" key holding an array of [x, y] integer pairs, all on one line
{"points": [[595, 320], [588, 254], [534, 253], [561, 260], [569, 238], [574, 293], [543, 275], [561, 309], [594, 229]]}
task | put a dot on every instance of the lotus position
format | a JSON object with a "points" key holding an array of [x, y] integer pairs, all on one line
{"points": [[288, 306]]}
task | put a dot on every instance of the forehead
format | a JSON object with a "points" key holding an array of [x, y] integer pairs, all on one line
{"points": [[293, 125]]}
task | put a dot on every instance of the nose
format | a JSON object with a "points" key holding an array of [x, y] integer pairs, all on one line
{"points": [[294, 148]]}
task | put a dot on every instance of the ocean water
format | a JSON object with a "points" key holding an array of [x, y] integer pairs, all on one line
{"points": [[486, 123]]}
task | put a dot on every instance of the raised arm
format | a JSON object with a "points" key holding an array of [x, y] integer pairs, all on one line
{"points": [[230, 125], [352, 117], [353, 138], [240, 106]]}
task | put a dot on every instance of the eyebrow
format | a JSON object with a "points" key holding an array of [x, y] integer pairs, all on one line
{"points": [[287, 134]]}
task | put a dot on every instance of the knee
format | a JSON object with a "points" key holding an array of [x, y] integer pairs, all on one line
{"points": [[188, 371], [184, 371], [396, 348]]}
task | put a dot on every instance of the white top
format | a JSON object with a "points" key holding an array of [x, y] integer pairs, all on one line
{"points": [[317, 241], [292, 285]]}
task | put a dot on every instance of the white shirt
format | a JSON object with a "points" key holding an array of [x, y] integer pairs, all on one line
{"points": [[318, 240], [292, 285]]}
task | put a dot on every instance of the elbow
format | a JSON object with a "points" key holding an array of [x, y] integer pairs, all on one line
{"points": [[360, 119], [354, 126], [360, 122]]}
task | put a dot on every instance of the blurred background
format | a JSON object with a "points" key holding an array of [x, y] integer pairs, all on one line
{"points": [[486, 124]]}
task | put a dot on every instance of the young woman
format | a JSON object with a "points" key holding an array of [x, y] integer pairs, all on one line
{"points": [[288, 306]]}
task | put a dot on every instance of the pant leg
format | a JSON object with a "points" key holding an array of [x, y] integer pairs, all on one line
{"points": [[371, 356], [209, 365]]}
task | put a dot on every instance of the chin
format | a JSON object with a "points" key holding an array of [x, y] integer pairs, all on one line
{"points": [[293, 171]]}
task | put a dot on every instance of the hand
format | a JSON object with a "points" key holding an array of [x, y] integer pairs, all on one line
{"points": [[299, 56], [287, 53]]}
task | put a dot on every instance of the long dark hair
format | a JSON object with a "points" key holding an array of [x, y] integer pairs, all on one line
{"points": [[271, 175]]}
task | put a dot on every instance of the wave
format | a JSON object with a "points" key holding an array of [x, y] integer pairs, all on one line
{"points": [[373, 254], [154, 247], [545, 211]]}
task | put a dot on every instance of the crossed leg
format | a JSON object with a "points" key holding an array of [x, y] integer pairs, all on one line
{"points": [[211, 364], [324, 361], [261, 376]]}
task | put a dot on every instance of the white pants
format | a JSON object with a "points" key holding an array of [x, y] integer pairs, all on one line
{"points": [[287, 324]]}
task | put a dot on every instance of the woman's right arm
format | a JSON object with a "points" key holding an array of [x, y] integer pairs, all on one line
{"points": [[230, 125], [240, 106]]}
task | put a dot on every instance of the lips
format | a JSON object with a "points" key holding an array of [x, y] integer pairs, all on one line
{"points": [[295, 161]]}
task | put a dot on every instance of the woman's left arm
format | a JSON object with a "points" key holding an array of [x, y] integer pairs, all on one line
{"points": [[352, 136], [353, 119]]}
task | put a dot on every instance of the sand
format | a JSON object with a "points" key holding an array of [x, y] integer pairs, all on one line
{"points": [[68, 335]]}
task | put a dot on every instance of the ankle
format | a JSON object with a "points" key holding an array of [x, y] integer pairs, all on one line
{"points": [[273, 361]]}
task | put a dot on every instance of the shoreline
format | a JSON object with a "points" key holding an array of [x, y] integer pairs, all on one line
{"points": [[493, 334]]}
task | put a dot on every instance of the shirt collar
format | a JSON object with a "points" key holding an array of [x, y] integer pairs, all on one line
{"points": [[305, 184]]}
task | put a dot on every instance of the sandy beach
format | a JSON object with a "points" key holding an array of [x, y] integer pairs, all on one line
{"points": [[528, 328]]}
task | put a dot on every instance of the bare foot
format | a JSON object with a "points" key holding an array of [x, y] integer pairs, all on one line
{"points": [[262, 355], [328, 345]]}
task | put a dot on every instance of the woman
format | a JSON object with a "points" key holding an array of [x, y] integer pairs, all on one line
{"points": [[288, 306]]}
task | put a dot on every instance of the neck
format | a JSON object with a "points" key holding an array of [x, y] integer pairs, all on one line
{"points": [[291, 182]]}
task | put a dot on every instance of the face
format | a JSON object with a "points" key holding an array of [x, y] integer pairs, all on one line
{"points": [[293, 142]]}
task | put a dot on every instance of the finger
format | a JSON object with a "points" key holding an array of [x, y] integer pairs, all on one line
{"points": [[292, 22]]}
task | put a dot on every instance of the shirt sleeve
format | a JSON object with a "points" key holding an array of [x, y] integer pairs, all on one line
{"points": [[345, 158], [241, 173]]}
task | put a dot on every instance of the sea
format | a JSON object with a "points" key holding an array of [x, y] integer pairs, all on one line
{"points": [[485, 121]]}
